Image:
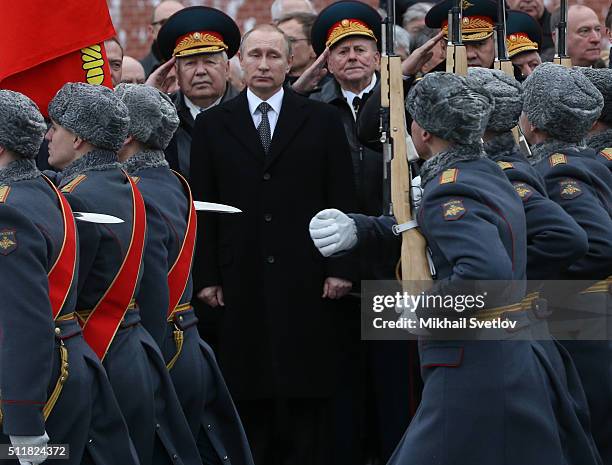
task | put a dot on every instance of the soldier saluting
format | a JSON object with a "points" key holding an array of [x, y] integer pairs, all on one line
{"points": [[89, 125], [166, 287]]}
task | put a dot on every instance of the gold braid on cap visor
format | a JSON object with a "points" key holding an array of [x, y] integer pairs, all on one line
{"points": [[345, 28], [519, 42], [198, 42], [473, 28]]}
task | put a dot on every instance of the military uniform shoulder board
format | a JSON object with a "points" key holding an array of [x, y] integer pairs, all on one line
{"points": [[68, 188], [453, 210], [569, 188], [449, 176], [607, 153], [504, 165], [557, 159], [523, 190], [4, 193], [135, 179]]}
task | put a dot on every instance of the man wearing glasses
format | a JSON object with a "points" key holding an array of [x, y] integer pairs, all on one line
{"points": [[296, 27], [161, 13]]}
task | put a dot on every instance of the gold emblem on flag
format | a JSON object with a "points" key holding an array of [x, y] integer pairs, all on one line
{"points": [[93, 63]]}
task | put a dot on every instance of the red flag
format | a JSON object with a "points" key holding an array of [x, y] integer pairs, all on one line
{"points": [[46, 43]]}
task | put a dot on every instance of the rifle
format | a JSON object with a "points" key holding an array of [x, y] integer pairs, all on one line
{"points": [[396, 170], [502, 61], [456, 54], [561, 57]]}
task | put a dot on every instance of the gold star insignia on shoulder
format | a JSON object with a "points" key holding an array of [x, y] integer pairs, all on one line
{"points": [[607, 153], [72, 185], [449, 176], [557, 159], [4, 192], [8, 241], [570, 189], [453, 210]]}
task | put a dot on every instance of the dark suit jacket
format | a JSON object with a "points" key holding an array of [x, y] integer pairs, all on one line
{"points": [[277, 335], [179, 148]]}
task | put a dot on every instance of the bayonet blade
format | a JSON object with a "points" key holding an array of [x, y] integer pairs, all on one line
{"points": [[99, 218], [215, 207]]}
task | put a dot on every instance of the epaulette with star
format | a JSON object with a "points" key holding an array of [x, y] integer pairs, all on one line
{"points": [[557, 159], [72, 185], [449, 176]]}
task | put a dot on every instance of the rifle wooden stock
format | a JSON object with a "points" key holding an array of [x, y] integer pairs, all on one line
{"points": [[563, 61], [456, 59], [415, 266]]}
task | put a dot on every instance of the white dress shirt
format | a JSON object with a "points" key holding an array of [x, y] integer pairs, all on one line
{"points": [[275, 102], [349, 96], [196, 110]]}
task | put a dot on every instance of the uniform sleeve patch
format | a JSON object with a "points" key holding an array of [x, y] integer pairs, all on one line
{"points": [[557, 159], [449, 176], [4, 192], [8, 241], [607, 154], [453, 210], [523, 190], [72, 185], [504, 165], [570, 189]]}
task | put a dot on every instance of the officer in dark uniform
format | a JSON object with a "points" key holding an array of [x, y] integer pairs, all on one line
{"points": [[477, 26], [90, 124], [62, 388], [600, 135], [498, 390], [164, 297], [390, 394], [560, 106], [523, 42], [207, 38], [554, 242]]}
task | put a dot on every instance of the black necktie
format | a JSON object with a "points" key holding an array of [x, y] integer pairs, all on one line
{"points": [[356, 104], [265, 134]]}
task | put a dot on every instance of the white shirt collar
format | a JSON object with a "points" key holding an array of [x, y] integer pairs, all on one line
{"points": [[349, 96], [196, 110], [276, 101]]}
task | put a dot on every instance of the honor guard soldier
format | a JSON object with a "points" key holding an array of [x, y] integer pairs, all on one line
{"points": [[89, 126], [474, 224], [560, 106], [600, 135], [62, 388], [554, 242], [477, 26], [166, 288], [523, 42], [201, 40]]}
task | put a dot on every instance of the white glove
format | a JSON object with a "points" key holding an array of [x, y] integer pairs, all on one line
{"points": [[417, 192], [30, 441], [332, 232]]}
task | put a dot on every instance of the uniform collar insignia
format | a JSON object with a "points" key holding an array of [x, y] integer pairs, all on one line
{"points": [[143, 160], [445, 160], [96, 160], [19, 170], [542, 150]]}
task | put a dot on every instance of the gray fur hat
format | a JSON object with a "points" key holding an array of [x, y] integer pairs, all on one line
{"points": [[508, 95], [451, 107], [602, 79], [561, 101], [153, 117], [22, 127], [94, 113]]}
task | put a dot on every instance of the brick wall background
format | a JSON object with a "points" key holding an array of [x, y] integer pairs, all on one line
{"points": [[131, 17]]}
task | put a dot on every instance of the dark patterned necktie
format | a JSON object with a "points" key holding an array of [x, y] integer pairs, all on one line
{"points": [[265, 134], [356, 104]]}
